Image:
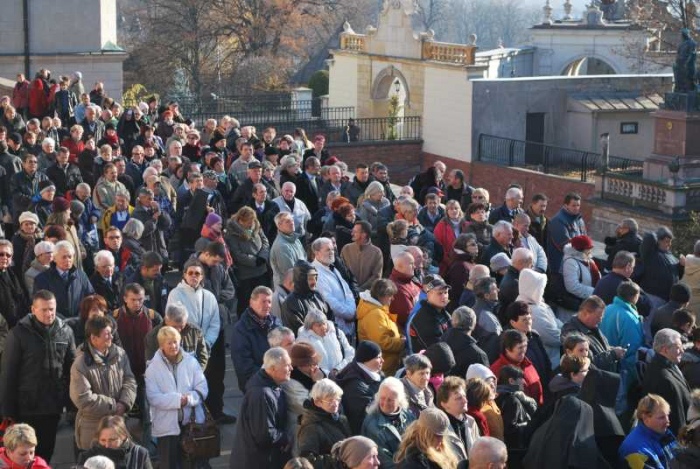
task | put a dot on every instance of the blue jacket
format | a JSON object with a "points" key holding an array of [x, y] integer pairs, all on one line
{"points": [[248, 345], [622, 326], [68, 292], [560, 229], [645, 449]]}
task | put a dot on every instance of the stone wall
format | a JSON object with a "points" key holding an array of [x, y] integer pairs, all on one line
{"points": [[401, 157]]}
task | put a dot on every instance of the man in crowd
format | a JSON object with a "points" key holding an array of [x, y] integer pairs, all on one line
{"points": [[191, 335], [265, 211], [538, 220], [500, 242], [626, 239], [357, 187], [309, 184], [364, 259], [566, 224], [287, 249], [509, 288], [510, 208]]}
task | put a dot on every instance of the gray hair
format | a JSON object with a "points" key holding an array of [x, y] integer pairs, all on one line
{"points": [[325, 388], [487, 450], [64, 246], [513, 192], [276, 335], [280, 216], [332, 195], [631, 224], [133, 228], [464, 318], [665, 338], [274, 356], [395, 385], [373, 188], [98, 462], [416, 362], [521, 254], [622, 259], [290, 184], [313, 317], [48, 141], [100, 256], [502, 226], [84, 185], [176, 312], [483, 286], [318, 243]]}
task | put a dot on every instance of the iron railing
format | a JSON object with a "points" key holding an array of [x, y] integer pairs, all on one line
{"points": [[550, 159], [290, 113]]}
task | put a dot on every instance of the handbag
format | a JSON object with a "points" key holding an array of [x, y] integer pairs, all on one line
{"points": [[201, 440]]}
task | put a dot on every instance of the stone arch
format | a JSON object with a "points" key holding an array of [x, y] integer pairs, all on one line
{"points": [[589, 64], [385, 79]]}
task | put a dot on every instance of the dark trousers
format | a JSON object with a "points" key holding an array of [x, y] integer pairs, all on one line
{"points": [[245, 288], [214, 373], [171, 457], [45, 427]]}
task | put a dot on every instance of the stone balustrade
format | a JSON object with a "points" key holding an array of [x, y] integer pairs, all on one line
{"points": [[656, 196], [451, 53], [353, 42]]}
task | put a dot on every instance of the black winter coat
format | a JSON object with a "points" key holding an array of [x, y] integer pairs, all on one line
{"points": [[302, 299], [517, 411], [65, 179], [36, 366], [661, 269], [665, 379], [465, 351], [260, 440], [69, 293], [630, 242], [248, 346], [358, 392], [318, 432], [13, 298], [428, 326], [416, 460], [128, 456], [599, 348]]}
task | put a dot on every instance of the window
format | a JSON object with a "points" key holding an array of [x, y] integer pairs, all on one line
{"points": [[629, 127]]}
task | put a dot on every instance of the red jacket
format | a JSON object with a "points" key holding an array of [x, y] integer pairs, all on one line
{"points": [[405, 298], [74, 148], [445, 235], [5, 462], [533, 385], [20, 95], [38, 105]]}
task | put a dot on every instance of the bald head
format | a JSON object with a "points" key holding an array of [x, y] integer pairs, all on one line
{"points": [[488, 453]]}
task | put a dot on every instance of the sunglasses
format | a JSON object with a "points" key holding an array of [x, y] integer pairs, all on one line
{"points": [[6, 254]]}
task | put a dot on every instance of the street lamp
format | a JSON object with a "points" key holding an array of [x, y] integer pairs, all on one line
{"points": [[397, 86]]}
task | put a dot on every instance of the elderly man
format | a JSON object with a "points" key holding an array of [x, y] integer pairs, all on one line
{"points": [[431, 320], [249, 335], [663, 377], [69, 284], [265, 211], [13, 296], [525, 239], [459, 339], [34, 384], [500, 242], [488, 453], [661, 268], [408, 288], [106, 281], [261, 440], [191, 335], [281, 337], [626, 239], [287, 249], [364, 259], [287, 202], [243, 195], [510, 208], [309, 184], [566, 224], [101, 381], [586, 322], [334, 289], [47, 155], [509, 287]]}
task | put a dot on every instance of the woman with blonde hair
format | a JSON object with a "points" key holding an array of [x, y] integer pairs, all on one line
{"points": [[425, 443], [19, 448], [113, 440], [447, 231], [650, 444], [372, 201], [61, 217], [250, 251]]}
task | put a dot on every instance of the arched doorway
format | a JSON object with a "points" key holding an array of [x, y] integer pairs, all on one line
{"points": [[391, 97], [588, 66]]}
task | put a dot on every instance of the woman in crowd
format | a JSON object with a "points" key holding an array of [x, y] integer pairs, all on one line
{"points": [[387, 419], [579, 271], [131, 233], [373, 201], [90, 306], [330, 343], [488, 408], [305, 373], [465, 253], [19, 444], [175, 387], [425, 444], [519, 317], [650, 444], [513, 350], [572, 371], [478, 225], [43, 256], [376, 323], [447, 231], [356, 452], [416, 383], [213, 230], [61, 217], [23, 242], [397, 232], [478, 393], [113, 440], [322, 425]]}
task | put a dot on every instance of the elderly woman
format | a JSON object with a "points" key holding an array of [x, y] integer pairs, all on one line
{"points": [[376, 323], [331, 344], [322, 425], [426, 443], [289, 169], [18, 451], [416, 383], [387, 419], [175, 387], [43, 256], [372, 203], [23, 242], [250, 251], [356, 452], [131, 233], [201, 304], [113, 440], [513, 350], [305, 373], [650, 440]]}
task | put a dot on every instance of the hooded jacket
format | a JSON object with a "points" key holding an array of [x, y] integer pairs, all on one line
{"points": [[302, 299], [318, 432], [548, 326], [359, 389], [622, 326], [376, 323]]}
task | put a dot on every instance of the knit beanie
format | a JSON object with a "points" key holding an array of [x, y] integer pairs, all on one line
{"points": [[352, 451], [366, 351], [212, 219], [46, 186], [60, 204], [477, 370]]}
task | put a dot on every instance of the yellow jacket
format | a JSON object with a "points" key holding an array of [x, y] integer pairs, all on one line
{"points": [[376, 323]]}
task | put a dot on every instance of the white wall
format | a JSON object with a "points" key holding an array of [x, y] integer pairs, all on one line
{"points": [[342, 86]]}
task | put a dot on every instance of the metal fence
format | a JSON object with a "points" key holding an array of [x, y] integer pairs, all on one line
{"points": [[550, 159], [295, 112]]}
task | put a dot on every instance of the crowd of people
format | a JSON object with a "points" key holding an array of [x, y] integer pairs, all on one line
{"points": [[421, 326]]}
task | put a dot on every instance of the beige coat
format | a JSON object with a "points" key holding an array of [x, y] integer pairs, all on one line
{"points": [[96, 386], [692, 279]]}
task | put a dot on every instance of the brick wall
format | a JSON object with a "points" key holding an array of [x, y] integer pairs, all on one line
{"points": [[403, 158], [496, 180]]}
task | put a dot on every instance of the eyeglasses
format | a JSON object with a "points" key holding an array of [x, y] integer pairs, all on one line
{"points": [[31, 162], [6, 254], [194, 274]]}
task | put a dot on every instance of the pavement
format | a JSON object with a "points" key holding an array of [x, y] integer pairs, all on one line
{"points": [[63, 455]]}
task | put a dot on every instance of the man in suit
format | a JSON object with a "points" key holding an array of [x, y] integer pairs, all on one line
{"points": [[309, 184], [265, 210]]}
